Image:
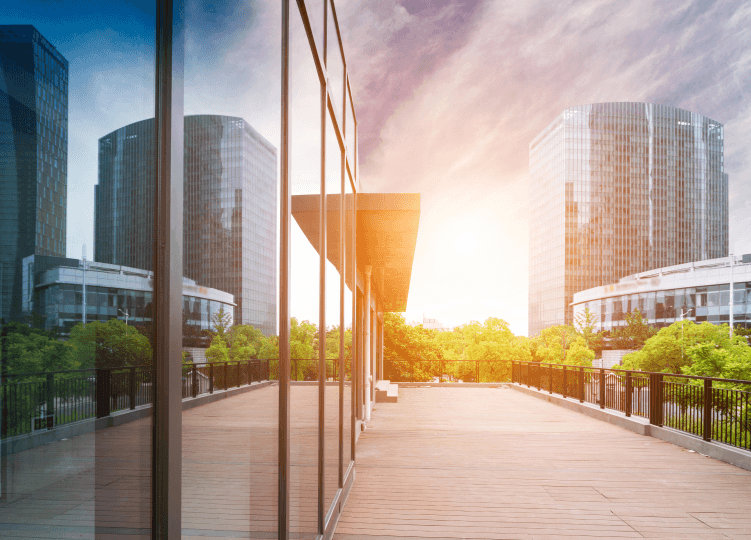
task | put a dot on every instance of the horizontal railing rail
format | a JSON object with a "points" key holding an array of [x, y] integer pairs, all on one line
{"points": [[709, 407], [40, 401], [444, 371]]}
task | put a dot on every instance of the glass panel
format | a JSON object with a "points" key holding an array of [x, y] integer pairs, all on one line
{"points": [[315, 16], [81, 70], [333, 312], [231, 130], [350, 131], [305, 178], [349, 342], [335, 68]]}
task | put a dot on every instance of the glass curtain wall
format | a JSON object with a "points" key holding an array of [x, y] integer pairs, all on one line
{"points": [[321, 170], [76, 410], [230, 201], [146, 133]]}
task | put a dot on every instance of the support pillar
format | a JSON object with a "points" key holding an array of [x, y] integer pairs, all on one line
{"points": [[380, 351], [367, 345]]}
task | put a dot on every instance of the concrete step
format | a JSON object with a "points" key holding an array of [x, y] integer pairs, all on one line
{"points": [[386, 392]]}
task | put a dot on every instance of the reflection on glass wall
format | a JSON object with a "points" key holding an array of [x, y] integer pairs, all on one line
{"points": [[305, 286], [350, 342], [230, 216], [70, 361], [333, 267]]}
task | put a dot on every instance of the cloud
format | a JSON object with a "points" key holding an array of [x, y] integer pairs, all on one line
{"points": [[448, 112]]}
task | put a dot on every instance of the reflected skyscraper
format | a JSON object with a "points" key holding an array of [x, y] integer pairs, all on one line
{"points": [[229, 209], [617, 189], [33, 155]]}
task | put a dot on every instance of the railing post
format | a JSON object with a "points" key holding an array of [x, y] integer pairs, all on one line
{"points": [[707, 409], [581, 384], [211, 378], [550, 379], [194, 376], [477, 371], [132, 387], [660, 400], [440, 371], [50, 416], [103, 392], [239, 370], [564, 382], [412, 364], [602, 388], [655, 399], [629, 393]]}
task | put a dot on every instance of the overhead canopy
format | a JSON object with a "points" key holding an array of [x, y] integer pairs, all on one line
{"points": [[386, 236]]}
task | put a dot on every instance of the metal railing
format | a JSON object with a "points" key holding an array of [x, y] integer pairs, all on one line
{"points": [[440, 371], [44, 400], [712, 408]]}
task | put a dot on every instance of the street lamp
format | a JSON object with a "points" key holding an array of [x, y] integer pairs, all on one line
{"points": [[683, 314], [126, 316]]}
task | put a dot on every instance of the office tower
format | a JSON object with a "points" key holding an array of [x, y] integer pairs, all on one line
{"points": [[33, 155], [617, 189], [229, 209]]}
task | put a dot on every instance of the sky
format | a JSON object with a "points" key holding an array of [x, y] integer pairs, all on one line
{"points": [[448, 94]]}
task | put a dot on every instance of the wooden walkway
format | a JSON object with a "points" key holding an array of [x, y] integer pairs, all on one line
{"points": [[494, 463], [98, 485]]}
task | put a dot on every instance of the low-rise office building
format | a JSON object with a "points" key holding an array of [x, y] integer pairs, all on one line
{"points": [[701, 291], [53, 289]]}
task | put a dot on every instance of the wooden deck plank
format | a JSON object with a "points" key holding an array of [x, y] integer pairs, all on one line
{"points": [[493, 463]]}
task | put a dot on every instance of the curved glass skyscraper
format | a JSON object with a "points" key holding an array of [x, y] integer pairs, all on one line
{"points": [[616, 189], [229, 209]]}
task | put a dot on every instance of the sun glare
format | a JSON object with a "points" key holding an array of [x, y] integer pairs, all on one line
{"points": [[465, 243]]}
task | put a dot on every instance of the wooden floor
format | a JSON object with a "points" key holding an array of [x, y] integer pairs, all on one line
{"points": [[440, 463], [98, 485], [494, 463]]}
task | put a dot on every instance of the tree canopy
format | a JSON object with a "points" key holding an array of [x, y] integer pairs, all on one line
{"points": [[684, 343]]}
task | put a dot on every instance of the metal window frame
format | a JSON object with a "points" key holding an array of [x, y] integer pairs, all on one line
{"points": [[168, 265], [327, 517]]}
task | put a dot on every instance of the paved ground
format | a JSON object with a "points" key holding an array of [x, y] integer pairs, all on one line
{"points": [[494, 463]]}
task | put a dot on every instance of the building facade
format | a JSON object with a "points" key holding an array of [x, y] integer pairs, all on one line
{"points": [[33, 155], [617, 189], [229, 209], [715, 290], [53, 289]]}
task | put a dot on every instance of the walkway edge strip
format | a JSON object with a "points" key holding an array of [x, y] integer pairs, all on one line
{"points": [[728, 454]]}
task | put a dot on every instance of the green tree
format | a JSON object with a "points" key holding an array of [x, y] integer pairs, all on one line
{"points": [[585, 324], [111, 344], [732, 361], [221, 321], [635, 334], [241, 349], [561, 345], [30, 350], [248, 335], [218, 350], [668, 351], [269, 348]]}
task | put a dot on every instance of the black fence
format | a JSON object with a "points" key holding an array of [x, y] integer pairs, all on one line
{"points": [[42, 401], [441, 371], [711, 408]]}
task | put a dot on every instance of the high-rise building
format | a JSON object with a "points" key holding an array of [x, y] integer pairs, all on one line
{"points": [[617, 189], [229, 209], [33, 155]]}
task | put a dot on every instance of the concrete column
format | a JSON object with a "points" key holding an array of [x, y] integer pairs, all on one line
{"points": [[380, 351], [367, 345]]}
